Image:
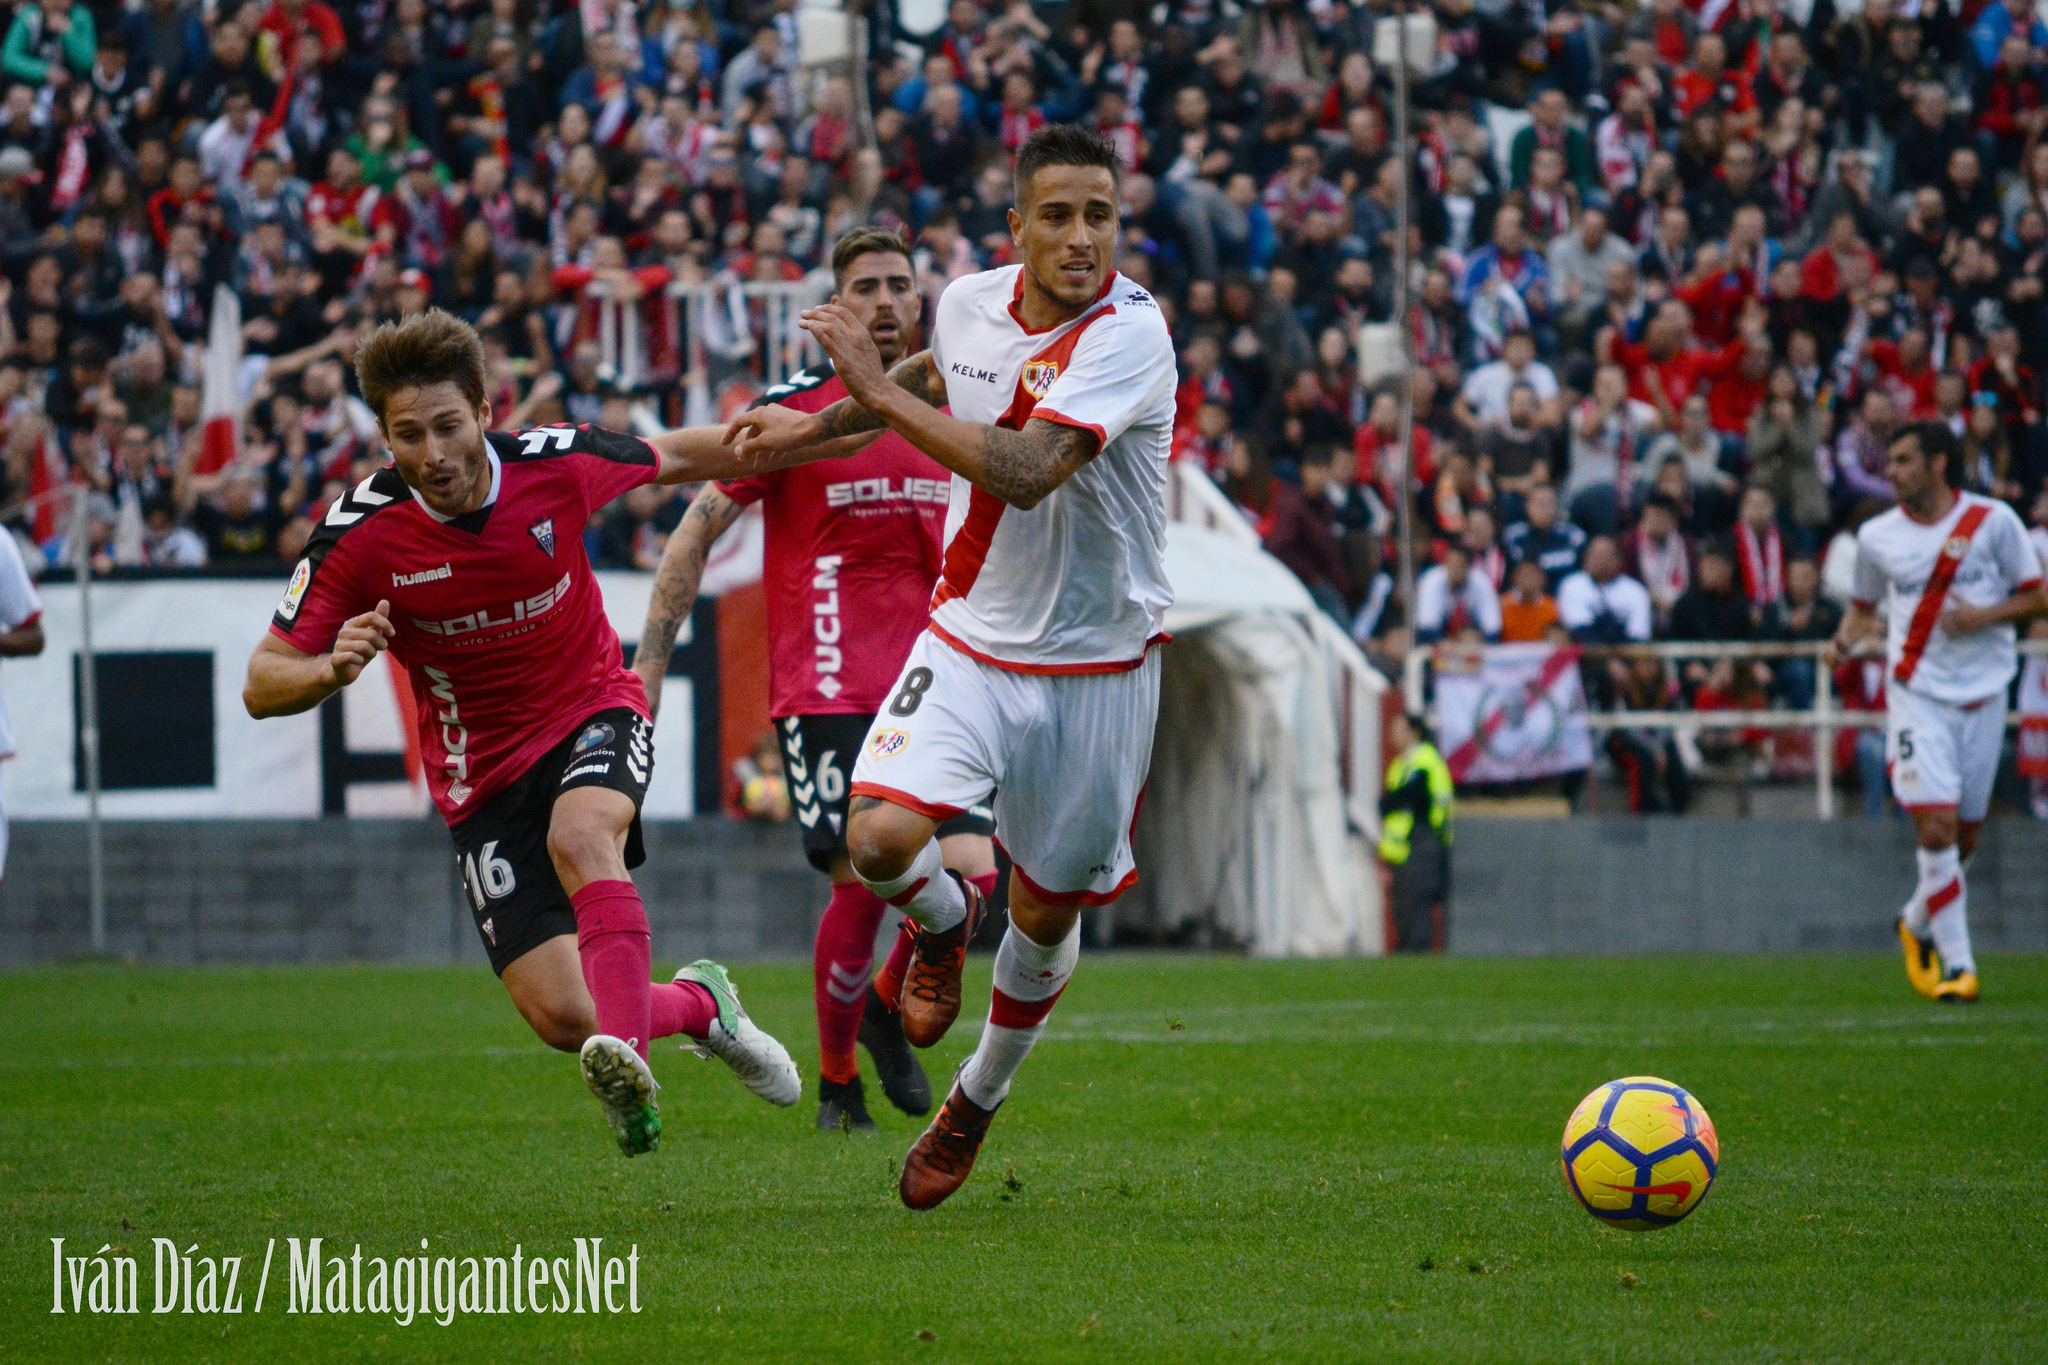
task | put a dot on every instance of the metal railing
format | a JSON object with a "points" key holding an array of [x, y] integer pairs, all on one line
{"points": [[748, 330], [1823, 718]]}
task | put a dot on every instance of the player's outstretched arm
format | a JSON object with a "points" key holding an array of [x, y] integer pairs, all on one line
{"points": [[284, 681], [1020, 467], [699, 454], [774, 429], [676, 580]]}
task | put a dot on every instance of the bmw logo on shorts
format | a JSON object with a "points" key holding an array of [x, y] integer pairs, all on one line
{"points": [[591, 738]]}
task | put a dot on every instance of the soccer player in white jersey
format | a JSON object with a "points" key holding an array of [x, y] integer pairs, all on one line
{"points": [[1036, 678], [21, 634], [1953, 572]]}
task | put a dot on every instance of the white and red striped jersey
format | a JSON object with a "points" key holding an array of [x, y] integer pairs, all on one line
{"points": [[1078, 583], [1978, 554], [19, 606]]}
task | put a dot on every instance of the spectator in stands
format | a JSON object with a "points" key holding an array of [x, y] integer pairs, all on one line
{"points": [[1859, 456], [1527, 612], [1609, 431], [1541, 537], [1760, 550], [1709, 488], [1803, 615], [1520, 449], [1453, 602], [1648, 757], [1600, 604], [1662, 555]]}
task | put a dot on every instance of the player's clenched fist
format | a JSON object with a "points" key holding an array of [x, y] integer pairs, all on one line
{"points": [[360, 640]]}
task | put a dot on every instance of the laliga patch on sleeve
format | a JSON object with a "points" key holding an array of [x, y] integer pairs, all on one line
{"points": [[296, 593]]}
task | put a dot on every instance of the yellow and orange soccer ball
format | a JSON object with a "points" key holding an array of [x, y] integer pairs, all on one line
{"points": [[1640, 1153]]}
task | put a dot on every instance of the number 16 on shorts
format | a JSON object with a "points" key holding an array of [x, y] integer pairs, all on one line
{"points": [[488, 877]]}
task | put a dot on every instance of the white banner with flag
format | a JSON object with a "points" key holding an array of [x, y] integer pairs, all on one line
{"points": [[1506, 713]]}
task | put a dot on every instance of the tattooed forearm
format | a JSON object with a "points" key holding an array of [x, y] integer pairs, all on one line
{"points": [[917, 376], [677, 579], [1021, 467]]}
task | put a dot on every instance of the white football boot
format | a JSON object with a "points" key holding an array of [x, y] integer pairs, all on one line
{"points": [[762, 1064], [626, 1088]]}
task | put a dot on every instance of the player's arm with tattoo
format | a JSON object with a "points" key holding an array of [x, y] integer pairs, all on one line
{"points": [[1020, 467], [771, 431], [676, 581]]}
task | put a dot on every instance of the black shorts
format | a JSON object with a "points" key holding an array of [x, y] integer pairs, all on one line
{"points": [[817, 760], [502, 851]]}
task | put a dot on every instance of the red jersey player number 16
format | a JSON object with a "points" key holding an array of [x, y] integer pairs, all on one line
{"points": [[464, 558]]}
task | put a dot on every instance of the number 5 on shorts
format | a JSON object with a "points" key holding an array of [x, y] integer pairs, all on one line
{"points": [[1905, 745]]}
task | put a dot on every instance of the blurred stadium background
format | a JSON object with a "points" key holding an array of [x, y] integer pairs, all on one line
{"points": [[1807, 223]]}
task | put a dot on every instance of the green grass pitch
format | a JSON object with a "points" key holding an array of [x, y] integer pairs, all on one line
{"points": [[1207, 1159]]}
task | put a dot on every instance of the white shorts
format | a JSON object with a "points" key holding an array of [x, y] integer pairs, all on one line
{"points": [[1941, 754], [1065, 754]]}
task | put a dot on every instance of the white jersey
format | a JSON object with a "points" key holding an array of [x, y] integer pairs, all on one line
{"points": [[19, 605], [1078, 583], [1988, 557]]}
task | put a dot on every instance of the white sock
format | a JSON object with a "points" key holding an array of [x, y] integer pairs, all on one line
{"points": [[925, 893], [1945, 896], [1029, 977]]}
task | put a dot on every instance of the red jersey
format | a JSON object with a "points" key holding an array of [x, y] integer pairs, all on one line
{"points": [[496, 616], [853, 551]]}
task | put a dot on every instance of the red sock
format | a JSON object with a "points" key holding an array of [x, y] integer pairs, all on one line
{"points": [[616, 947], [680, 1007], [889, 980], [844, 952]]}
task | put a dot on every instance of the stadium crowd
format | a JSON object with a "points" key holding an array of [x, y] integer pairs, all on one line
{"points": [[1678, 270]]}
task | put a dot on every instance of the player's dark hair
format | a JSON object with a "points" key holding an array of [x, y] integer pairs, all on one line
{"points": [[865, 241], [433, 347], [1936, 439], [1063, 144]]}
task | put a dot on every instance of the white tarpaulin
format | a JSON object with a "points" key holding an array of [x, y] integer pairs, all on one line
{"points": [[1510, 712], [1250, 833]]}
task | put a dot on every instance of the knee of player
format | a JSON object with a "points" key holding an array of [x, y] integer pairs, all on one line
{"points": [[582, 847], [562, 1024], [879, 848]]}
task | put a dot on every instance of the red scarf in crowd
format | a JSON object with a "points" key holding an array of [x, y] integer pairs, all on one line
{"points": [[1763, 563]]}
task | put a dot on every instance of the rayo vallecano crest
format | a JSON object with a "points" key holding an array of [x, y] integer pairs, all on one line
{"points": [[1038, 376]]}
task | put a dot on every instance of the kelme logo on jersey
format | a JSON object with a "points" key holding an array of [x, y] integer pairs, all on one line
{"points": [[597, 734], [1039, 375], [887, 743], [543, 533], [295, 593]]}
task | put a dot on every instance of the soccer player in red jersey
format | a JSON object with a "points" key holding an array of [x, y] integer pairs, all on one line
{"points": [[464, 558], [853, 551]]}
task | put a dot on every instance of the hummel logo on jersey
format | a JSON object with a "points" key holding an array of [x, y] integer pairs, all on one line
{"points": [[411, 580], [543, 531], [1039, 376], [984, 376]]}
